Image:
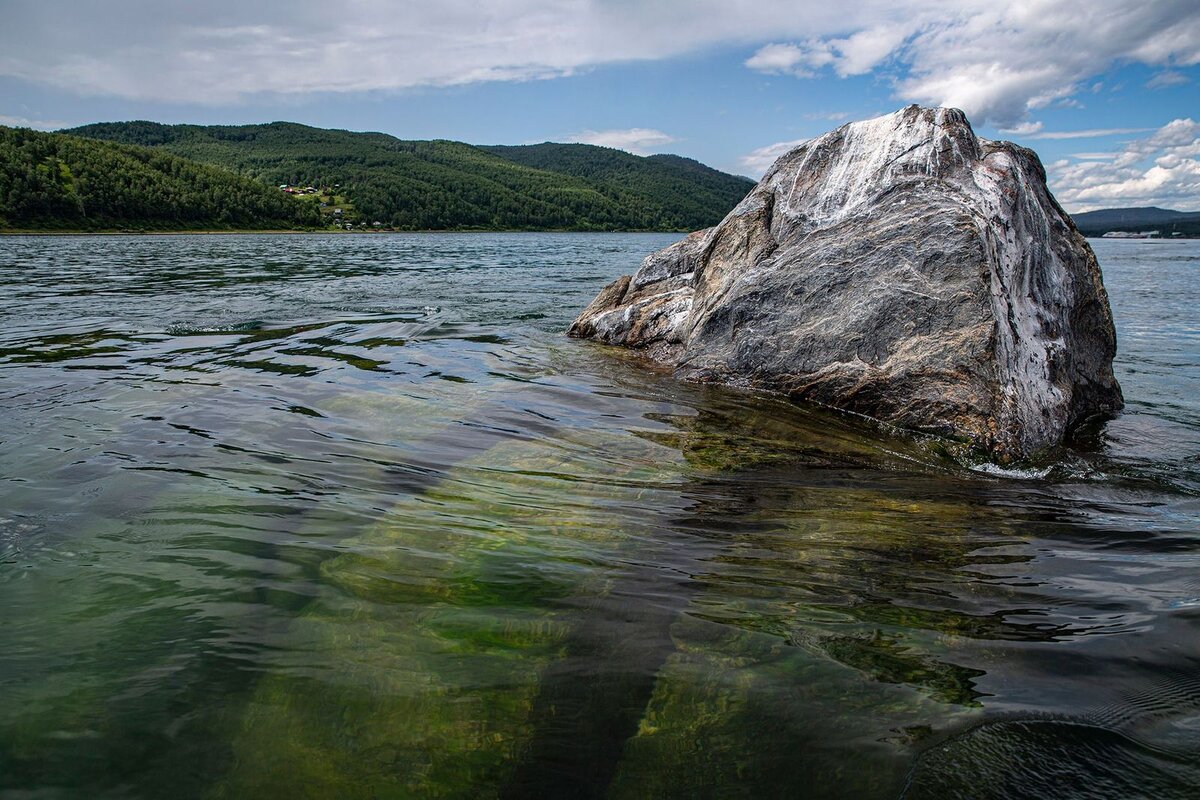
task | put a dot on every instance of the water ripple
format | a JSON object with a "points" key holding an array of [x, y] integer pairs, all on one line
{"points": [[310, 516]]}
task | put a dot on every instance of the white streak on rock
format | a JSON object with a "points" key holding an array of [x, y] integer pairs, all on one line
{"points": [[900, 268]]}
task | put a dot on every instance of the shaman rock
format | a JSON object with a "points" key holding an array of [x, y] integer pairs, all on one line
{"points": [[900, 268]]}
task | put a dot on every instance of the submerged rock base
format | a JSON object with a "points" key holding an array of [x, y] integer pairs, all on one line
{"points": [[901, 268]]}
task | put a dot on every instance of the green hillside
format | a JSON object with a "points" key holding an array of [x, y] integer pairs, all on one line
{"points": [[438, 185], [700, 195], [53, 181]]}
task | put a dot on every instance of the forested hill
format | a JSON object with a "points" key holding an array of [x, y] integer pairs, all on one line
{"points": [[693, 189], [444, 185], [53, 181]]}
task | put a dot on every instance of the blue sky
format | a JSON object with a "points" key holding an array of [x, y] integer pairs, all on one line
{"points": [[1105, 91]]}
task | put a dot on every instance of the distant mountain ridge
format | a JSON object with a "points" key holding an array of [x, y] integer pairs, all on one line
{"points": [[446, 185], [1134, 219], [227, 176]]}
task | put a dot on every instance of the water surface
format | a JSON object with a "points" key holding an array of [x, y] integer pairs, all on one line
{"points": [[348, 516]]}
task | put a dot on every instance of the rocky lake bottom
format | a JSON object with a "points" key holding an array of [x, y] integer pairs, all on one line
{"points": [[331, 516]]}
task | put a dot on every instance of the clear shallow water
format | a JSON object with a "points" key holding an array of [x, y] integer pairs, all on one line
{"points": [[305, 516]]}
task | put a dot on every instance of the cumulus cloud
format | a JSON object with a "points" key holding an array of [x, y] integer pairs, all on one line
{"points": [[635, 140], [996, 60], [851, 55], [999, 61], [759, 161], [1162, 169]]}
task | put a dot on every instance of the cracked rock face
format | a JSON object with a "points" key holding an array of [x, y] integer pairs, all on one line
{"points": [[901, 268]]}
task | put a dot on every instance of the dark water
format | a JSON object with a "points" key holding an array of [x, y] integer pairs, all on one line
{"points": [[349, 517]]}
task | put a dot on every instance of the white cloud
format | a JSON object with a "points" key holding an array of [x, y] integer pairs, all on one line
{"points": [[1167, 78], [1091, 133], [996, 60], [828, 116], [759, 161], [635, 140], [1162, 169], [852, 55], [1023, 129], [866, 49], [26, 122], [786, 59], [224, 50], [999, 61]]}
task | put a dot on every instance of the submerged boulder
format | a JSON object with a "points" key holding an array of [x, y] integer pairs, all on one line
{"points": [[900, 268]]}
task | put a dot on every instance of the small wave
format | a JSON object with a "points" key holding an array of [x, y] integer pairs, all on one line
{"points": [[1015, 473]]}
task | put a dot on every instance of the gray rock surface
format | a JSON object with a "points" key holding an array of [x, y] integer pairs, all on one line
{"points": [[901, 268]]}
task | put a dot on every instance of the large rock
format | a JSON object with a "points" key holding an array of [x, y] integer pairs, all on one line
{"points": [[901, 268]]}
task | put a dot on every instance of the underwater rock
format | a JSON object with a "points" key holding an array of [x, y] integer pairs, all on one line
{"points": [[901, 268]]}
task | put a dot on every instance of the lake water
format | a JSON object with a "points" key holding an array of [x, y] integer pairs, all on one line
{"points": [[348, 516]]}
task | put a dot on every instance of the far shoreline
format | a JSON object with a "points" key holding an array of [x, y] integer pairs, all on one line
{"points": [[303, 233], [284, 231]]}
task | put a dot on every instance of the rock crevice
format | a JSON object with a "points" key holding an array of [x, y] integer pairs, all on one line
{"points": [[900, 268]]}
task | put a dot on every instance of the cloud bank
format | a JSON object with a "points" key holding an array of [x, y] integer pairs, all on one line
{"points": [[1162, 169], [995, 60], [223, 50], [999, 61]]}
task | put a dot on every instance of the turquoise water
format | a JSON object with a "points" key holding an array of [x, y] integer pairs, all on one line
{"points": [[348, 516]]}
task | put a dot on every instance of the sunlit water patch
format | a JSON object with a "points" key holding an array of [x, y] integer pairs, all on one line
{"points": [[348, 516]]}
